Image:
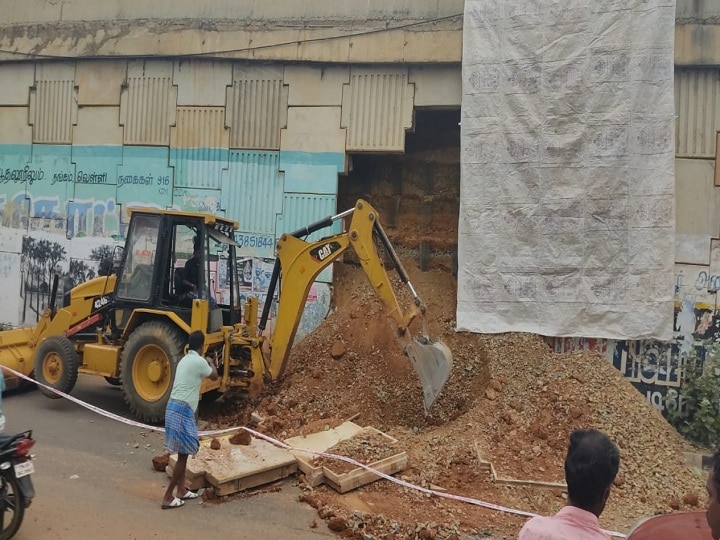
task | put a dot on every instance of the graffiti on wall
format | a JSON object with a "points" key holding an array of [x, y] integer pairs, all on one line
{"points": [[43, 257], [69, 197]]}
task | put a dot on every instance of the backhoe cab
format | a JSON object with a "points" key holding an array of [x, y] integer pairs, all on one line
{"points": [[178, 273]]}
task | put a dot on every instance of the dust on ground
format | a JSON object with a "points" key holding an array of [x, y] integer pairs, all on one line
{"points": [[510, 400]]}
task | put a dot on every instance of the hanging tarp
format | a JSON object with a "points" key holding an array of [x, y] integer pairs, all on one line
{"points": [[567, 212]]}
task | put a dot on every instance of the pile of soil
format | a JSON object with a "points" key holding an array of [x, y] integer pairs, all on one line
{"points": [[510, 401]]}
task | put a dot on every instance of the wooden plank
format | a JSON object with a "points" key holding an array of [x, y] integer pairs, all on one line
{"points": [[487, 467], [318, 442], [531, 483], [358, 476]]}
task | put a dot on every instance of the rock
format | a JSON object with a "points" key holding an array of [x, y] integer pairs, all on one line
{"points": [[338, 349], [491, 394], [241, 437], [690, 499], [160, 462], [337, 524], [313, 524], [674, 503], [311, 499], [215, 444], [325, 512]]}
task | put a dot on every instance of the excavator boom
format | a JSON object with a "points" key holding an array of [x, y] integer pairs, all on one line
{"points": [[298, 264]]}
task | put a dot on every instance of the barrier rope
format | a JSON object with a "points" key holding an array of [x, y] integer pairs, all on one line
{"points": [[280, 444]]}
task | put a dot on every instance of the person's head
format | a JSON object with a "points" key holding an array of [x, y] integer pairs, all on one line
{"points": [[196, 341], [713, 504], [591, 465]]}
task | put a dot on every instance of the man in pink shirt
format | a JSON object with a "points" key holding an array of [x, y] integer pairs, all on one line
{"points": [[591, 465]]}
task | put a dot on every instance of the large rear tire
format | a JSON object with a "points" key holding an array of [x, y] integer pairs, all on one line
{"points": [[12, 505], [147, 368], [56, 365]]}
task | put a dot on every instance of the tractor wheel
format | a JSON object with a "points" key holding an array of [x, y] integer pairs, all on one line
{"points": [[147, 368], [56, 365]]}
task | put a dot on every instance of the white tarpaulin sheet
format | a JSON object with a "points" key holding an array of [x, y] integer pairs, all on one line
{"points": [[567, 205]]}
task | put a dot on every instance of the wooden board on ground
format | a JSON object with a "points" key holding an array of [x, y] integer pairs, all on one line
{"points": [[318, 442], [359, 476], [235, 467]]}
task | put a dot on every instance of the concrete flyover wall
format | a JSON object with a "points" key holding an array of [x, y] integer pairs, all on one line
{"points": [[312, 30], [697, 33]]}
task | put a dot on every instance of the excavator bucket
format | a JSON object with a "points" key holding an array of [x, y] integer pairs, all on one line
{"points": [[432, 361], [16, 353]]}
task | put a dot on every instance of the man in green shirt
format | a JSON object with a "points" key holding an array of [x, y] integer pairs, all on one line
{"points": [[181, 434]]}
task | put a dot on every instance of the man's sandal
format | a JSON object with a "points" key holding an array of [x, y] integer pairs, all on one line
{"points": [[189, 495], [176, 503]]}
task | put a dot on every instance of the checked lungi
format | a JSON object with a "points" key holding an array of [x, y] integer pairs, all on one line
{"points": [[181, 435]]}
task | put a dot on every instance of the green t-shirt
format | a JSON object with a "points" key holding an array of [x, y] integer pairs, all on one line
{"points": [[189, 374]]}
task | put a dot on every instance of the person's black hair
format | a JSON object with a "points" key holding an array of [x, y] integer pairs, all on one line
{"points": [[591, 465], [196, 340], [196, 243], [715, 468]]}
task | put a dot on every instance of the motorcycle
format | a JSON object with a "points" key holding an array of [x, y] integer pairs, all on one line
{"points": [[16, 487]]}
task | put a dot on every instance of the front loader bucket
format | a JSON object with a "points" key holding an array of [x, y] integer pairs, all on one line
{"points": [[432, 361], [16, 353]]}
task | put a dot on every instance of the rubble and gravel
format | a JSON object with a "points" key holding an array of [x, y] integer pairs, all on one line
{"points": [[510, 400]]}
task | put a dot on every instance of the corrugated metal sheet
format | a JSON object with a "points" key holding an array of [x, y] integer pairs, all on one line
{"points": [[252, 191], [257, 108], [697, 105], [199, 147], [300, 210], [199, 127], [377, 109], [53, 111], [147, 110]]}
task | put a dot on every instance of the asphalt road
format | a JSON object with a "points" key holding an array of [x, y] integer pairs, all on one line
{"points": [[94, 480]]}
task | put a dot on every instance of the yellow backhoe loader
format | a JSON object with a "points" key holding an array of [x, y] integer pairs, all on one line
{"points": [[131, 324]]}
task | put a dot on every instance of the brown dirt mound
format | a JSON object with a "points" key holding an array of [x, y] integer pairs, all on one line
{"points": [[510, 400]]}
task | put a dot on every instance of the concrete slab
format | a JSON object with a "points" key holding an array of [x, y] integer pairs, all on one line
{"points": [[235, 467]]}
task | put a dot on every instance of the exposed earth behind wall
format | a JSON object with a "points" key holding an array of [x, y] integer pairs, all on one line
{"points": [[510, 400]]}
